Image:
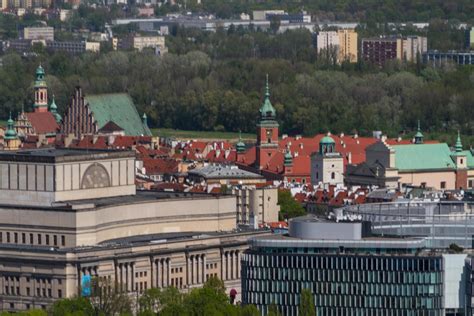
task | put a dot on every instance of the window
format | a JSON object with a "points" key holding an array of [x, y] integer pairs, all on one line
{"points": [[23, 238], [31, 239], [39, 239], [60, 293], [443, 185], [63, 240], [47, 239], [333, 175], [8, 237], [55, 240], [27, 291], [16, 237], [470, 185]]}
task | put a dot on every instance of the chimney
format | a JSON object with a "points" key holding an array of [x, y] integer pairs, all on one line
{"points": [[298, 137], [284, 136], [68, 139], [349, 157], [341, 135]]}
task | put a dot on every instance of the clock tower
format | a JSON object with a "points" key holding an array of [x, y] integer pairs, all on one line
{"points": [[267, 132]]}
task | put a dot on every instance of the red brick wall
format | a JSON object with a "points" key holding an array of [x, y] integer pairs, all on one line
{"points": [[461, 179]]}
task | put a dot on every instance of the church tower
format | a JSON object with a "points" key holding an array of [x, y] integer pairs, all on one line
{"points": [[267, 132], [327, 165], [41, 91]]}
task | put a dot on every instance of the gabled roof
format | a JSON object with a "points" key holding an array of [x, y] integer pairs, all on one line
{"points": [[43, 122], [421, 157], [119, 108], [110, 127]]}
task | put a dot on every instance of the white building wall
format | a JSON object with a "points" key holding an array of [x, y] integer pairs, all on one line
{"points": [[455, 278]]}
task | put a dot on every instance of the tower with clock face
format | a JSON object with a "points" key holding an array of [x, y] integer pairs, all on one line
{"points": [[95, 176], [267, 132]]}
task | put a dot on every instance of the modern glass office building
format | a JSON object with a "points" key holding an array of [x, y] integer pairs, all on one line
{"points": [[348, 271]]}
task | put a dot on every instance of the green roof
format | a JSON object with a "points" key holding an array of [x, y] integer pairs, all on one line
{"points": [[423, 157], [327, 140], [469, 158], [118, 108]]}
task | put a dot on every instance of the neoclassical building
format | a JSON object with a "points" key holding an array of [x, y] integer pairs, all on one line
{"points": [[67, 213]]}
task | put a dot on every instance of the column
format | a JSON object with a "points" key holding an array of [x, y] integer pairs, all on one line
{"points": [[132, 275], [168, 268], [121, 277], [126, 277], [152, 272], [188, 272], [195, 272], [229, 265], [159, 276], [223, 266], [204, 269], [237, 264], [199, 269]]}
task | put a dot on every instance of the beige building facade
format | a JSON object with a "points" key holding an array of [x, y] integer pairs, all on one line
{"points": [[256, 206], [35, 278], [66, 213], [347, 45]]}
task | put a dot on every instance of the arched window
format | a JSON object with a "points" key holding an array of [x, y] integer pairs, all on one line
{"points": [[333, 175]]}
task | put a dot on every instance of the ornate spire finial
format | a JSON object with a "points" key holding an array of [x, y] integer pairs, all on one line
{"points": [[267, 88], [419, 128]]}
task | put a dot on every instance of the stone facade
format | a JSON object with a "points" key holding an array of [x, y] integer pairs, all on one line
{"points": [[34, 278]]}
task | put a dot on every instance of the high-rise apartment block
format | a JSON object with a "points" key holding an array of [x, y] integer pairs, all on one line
{"points": [[380, 50], [343, 41]]}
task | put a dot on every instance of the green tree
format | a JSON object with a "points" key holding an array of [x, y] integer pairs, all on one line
{"points": [[306, 307], [289, 207], [76, 306]]}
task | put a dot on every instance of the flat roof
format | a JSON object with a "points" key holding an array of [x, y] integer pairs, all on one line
{"points": [[374, 242], [52, 155]]}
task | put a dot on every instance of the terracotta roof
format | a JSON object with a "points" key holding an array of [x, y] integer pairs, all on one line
{"points": [[43, 122], [160, 166]]}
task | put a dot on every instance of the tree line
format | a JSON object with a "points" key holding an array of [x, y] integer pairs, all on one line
{"points": [[211, 87], [210, 300]]}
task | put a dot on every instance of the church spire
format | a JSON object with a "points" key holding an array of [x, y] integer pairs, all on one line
{"points": [[41, 91], [10, 132], [240, 146], [419, 135], [267, 111], [458, 145]]}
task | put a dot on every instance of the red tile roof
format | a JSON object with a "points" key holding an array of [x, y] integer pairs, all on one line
{"points": [[43, 122], [160, 166]]}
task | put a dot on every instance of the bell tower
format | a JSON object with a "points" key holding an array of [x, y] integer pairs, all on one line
{"points": [[267, 131], [41, 91]]}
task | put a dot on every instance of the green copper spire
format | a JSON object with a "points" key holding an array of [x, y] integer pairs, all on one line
{"points": [[240, 146], [40, 74], [288, 159], [419, 135], [53, 108], [10, 133], [267, 111], [458, 145]]}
